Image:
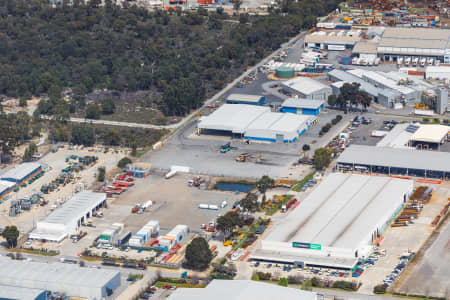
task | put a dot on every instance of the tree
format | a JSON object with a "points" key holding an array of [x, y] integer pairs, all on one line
{"points": [[379, 289], [228, 222], [352, 95], [11, 234], [133, 146], [108, 107], [306, 147], [93, 111], [249, 203], [124, 162], [332, 100], [198, 255], [22, 101], [322, 158], [83, 135], [283, 282], [101, 174], [255, 277], [264, 184], [111, 137], [29, 152]]}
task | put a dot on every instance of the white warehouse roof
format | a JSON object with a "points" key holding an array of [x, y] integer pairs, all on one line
{"points": [[305, 85], [431, 133], [302, 103], [232, 117], [244, 97], [398, 137], [343, 211], [241, 290], [70, 279], [256, 122], [63, 221], [20, 293], [399, 158], [5, 185], [21, 171]]}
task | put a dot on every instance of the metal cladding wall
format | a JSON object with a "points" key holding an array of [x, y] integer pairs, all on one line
{"points": [[289, 110], [309, 111]]}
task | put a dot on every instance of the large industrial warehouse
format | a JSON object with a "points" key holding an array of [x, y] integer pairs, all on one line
{"points": [[70, 279], [66, 219], [395, 42], [395, 161], [337, 223], [257, 123]]}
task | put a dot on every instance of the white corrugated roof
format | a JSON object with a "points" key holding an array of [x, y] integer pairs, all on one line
{"points": [[302, 103], [76, 207], [431, 133], [304, 85], [47, 275], [4, 185], [393, 157], [232, 117], [244, 97], [21, 171], [398, 137], [19, 293], [331, 211], [241, 290]]}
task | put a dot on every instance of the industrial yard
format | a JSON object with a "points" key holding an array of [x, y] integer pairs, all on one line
{"points": [[372, 219]]}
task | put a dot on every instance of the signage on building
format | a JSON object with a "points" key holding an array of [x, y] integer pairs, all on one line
{"points": [[315, 246], [301, 245]]}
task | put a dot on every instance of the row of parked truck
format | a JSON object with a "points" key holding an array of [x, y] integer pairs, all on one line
{"points": [[416, 61]]}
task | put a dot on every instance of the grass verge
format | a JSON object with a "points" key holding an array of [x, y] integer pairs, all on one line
{"points": [[298, 187]]}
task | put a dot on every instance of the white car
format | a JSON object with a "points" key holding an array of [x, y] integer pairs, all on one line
{"points": [[236, 255]]}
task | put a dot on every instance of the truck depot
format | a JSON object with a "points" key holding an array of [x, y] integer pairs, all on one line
{"points": [[337, 223]]}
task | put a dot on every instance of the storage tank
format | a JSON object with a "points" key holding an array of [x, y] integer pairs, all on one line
{"points": [[284, 72]]}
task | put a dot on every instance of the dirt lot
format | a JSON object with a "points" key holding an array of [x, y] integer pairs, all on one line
{"points": [[400, 239], [431, 275]]}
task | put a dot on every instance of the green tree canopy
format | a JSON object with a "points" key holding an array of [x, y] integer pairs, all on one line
{"points": [[249, 203], [11, 234], [93, 111], [124, 162], [322, 158], [264, 184], [198, 254]]}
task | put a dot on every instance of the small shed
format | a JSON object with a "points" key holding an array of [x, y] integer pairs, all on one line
{"points": [[302, 106]]}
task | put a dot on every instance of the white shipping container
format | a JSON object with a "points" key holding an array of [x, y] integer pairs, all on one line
{"points": [[145, 233], [336, 47], [182, 169], [136, 241]]}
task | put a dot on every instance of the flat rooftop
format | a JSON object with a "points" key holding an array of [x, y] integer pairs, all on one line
{"points": [[244, 97], [45, 275], [232, 117], [342, 211], [304, 85], [394, 157], [241, 290], [431, 133], [302, 103]]}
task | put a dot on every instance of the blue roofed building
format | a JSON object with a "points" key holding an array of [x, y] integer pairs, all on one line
{"points": [[302, 106]]}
